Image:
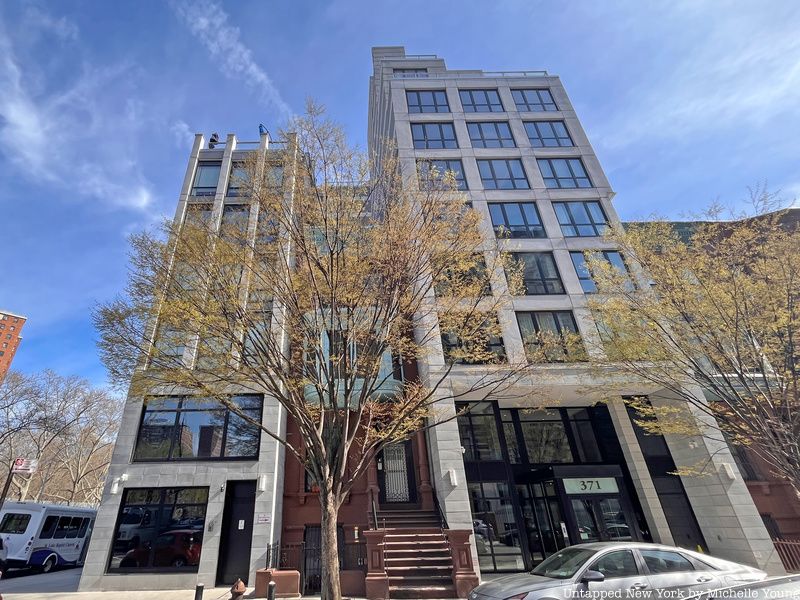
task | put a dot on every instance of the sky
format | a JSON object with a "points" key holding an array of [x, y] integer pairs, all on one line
{"points": [[685, 102]]}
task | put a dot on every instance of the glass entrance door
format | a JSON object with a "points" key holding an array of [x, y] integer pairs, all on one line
{"points": [[600, 520]]}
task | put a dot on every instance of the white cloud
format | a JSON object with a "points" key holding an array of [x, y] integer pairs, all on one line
{"points": [[182, 134], [735, 72], [209, 23], [66, 137]]}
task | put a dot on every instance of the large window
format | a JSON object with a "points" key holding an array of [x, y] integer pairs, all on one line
{"points": [[480, 101], [581, 219], [432, 171], [547, 134], [497, 535], [534, 100], [613, 257], [516, 220], [491, 134], [433, 136], [478, 431], [503, 174], [483, 347], [189, 428], [554, 332], [206, 178], [159, 529], [237, 180], [539, 273], [427, 101], [564, 173], [544, 437]]}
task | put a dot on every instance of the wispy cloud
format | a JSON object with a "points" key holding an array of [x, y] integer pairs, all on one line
{"points": [[728, 76], [66, 137], [181, 133], [208, 22]]}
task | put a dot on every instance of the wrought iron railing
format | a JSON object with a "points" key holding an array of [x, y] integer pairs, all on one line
{"points": [[789, 551], [306, 559]]}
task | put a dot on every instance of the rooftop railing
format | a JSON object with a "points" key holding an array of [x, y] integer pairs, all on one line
{"points": [[465, 74]]}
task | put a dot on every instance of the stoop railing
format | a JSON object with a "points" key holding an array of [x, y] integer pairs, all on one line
{"points": [[789, 551]]}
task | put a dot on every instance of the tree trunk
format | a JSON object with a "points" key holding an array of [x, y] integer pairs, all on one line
{"points": [[329, 552]]}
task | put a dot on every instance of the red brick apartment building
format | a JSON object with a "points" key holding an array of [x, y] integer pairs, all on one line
{"points": [[10, 336]]}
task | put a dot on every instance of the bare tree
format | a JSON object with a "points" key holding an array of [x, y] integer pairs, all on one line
{"points": [[344, 272]]}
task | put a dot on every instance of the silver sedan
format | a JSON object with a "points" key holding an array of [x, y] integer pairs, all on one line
{"points": [[617, 570]]}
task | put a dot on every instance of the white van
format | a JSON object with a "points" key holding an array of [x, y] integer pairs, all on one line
{"points": [[44, 536]]}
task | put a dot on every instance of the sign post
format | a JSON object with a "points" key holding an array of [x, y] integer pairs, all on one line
{"points": [[19, 465]]}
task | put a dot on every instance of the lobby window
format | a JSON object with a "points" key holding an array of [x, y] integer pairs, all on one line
{"points": [[503, 174], [563, 173], [206, 178], [480, 101], [237, 181], [539, 273], [483, 347], [159, 529], [491, 134], [544, 437], [581, 218], [433, 136], [496, 530], [534, 100], [478, 431], [187, 428], [613, 257], [516, 220], [430, 172], [427, 101], [548, 134], [553, 334]]}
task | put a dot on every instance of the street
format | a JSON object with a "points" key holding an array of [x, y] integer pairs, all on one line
{"points": [[25, 581]]}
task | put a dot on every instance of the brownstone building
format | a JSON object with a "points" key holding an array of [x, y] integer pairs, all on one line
{"points": [[10, 336]]}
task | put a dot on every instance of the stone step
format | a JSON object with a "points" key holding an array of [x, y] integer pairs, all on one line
{"points": [[423, 592], [422, 562], [424, 571]]}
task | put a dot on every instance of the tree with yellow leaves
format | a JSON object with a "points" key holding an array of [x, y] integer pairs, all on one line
{"points": [[341, 275], [716, 306]]}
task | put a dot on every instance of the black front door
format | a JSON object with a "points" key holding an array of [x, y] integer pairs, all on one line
{"points": [[237, 532], [396, 473]]}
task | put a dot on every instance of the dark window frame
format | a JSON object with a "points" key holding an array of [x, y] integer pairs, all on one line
{"points": [[235, 182], [472, 106], [442, 166], [531, 228], [481, 140], [447, 140], [492, 183], [200, 191], [539, 139], [178, 410], [597, 228], [524, 100], [157, 508], [553, 181], [584, 274], [417, 107], [547, 283], [495, 345], [559, 329]]}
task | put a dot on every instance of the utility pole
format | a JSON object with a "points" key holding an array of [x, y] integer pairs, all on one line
{"points": [[9, 477]]}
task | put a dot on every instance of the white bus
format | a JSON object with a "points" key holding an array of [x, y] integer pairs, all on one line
{"points": [[44, 536]]}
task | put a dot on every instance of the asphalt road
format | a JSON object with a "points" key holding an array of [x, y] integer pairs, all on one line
{"points": [[25, 581]]}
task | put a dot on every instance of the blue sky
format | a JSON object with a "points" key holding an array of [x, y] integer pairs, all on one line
{"points": [[686, 102]]}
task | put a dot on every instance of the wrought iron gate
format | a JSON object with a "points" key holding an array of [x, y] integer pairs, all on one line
{"points": [[395, 473]]}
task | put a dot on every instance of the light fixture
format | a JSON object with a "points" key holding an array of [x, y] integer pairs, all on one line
{"points": [[123, 477], [213, 141], [222, 487], [114, 485], [452, 477], [262, 483]]}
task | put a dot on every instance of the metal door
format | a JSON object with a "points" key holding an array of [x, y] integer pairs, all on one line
{"points": [[394, 472]]}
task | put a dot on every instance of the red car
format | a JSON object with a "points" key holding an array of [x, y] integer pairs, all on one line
{"points": [[175, 548]]}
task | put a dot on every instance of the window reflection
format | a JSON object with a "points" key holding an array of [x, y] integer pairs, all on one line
{"points": [[159, 529]]}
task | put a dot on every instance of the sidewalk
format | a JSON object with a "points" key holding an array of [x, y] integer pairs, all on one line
{"points": [[210, 594]]}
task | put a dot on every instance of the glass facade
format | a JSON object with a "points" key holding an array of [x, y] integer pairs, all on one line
{"points": [[206, 178], [516, 220], [534, 100], [427, 101], [159, 529], [431, 172], [189, 428]]}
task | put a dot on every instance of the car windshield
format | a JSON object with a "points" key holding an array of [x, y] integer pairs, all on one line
{"points": [[564, 563]]}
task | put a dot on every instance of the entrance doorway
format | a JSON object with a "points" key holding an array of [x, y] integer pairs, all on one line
{"points": [[396, 474], [237, 532], [601, 520]]}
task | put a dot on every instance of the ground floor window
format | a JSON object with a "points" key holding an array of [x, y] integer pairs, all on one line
{"points": [[159, 529], [495, 527]]}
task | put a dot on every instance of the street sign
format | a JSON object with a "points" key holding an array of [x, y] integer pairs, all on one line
{"points": [[25, 465]]}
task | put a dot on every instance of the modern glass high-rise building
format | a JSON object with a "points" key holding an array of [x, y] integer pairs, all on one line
{"points": [[195, 496]]}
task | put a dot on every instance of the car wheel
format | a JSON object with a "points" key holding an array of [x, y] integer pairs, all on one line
{"points": [[179, 562], [48, 564]]}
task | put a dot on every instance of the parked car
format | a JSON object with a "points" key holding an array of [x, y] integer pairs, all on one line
{"points": [[785, 588], [617, 566], [175, 548]]}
